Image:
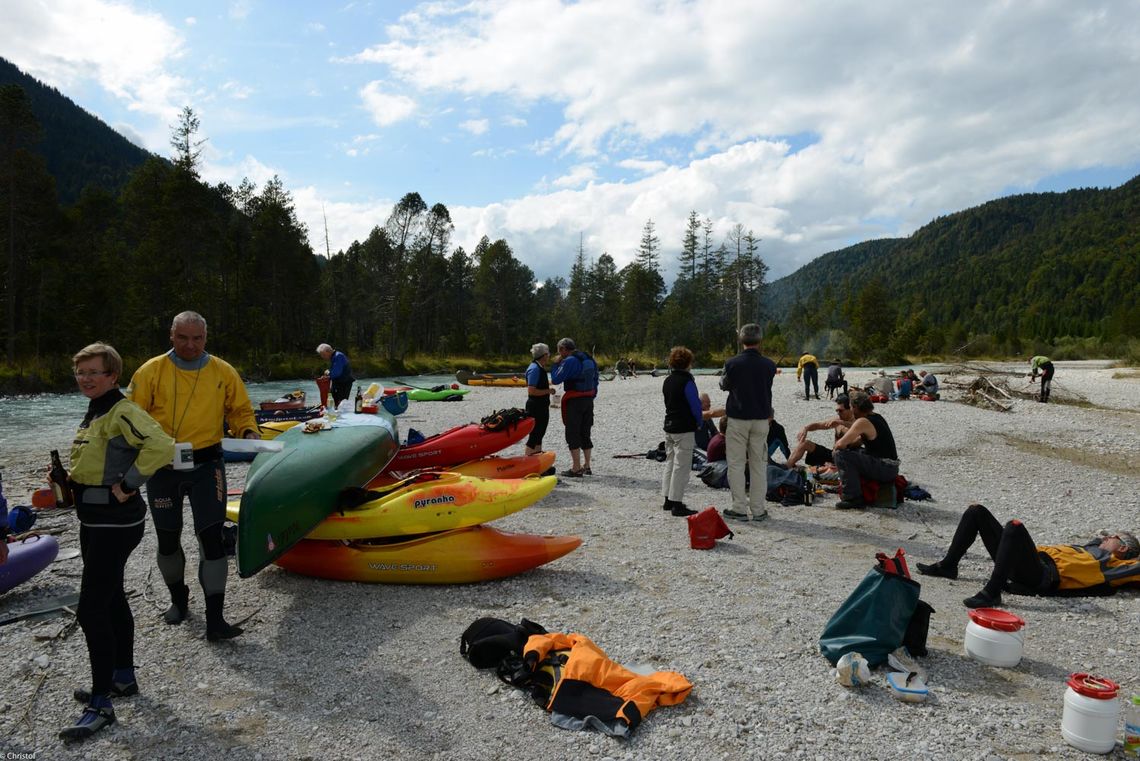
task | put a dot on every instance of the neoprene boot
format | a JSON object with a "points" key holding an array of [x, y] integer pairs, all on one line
{"points": [[179, 604], [668, 504], [216, 626]]}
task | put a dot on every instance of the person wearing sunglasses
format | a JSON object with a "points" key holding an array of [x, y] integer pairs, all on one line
{"points": [[817, 454], [1099, 566], [116, 449]]}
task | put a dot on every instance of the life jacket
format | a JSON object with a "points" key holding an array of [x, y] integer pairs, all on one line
{"points": [[587, 378]]}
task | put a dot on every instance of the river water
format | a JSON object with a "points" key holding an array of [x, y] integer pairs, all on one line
{"points": [[32, 426]]}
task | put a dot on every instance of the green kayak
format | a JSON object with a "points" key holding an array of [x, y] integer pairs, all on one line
{"points": [[287, 493], [444, 395]]}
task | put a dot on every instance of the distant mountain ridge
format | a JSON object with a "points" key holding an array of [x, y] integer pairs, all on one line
{"points": [[1037, 265], [78, 148]]}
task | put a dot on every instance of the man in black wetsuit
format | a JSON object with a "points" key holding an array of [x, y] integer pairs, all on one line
{"points": [[877, 460]]}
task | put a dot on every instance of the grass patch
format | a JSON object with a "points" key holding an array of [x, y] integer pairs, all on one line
{"points": [[1119, 464], [1129, 373]]}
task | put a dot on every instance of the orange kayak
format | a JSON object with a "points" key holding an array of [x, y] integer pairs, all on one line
{"points": [[460, 556], [434, 502], [495, 466]]}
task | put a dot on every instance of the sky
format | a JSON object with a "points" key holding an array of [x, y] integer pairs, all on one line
{"points": [[815, 125]]}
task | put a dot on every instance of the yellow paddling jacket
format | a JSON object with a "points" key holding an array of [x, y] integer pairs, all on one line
{"points": [[193, 400], [1089, 566], [590, 690], [117, 443]]}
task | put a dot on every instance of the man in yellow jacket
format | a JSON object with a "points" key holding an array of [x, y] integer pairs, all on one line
{"points": [[808, 367], [1020, 566], [192, 395]]}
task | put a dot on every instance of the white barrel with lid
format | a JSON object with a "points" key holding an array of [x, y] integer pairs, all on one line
{"points": [[995, 637], [1092, 711]]}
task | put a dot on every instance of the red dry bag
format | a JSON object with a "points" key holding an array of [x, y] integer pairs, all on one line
{"points": [[705, 528]]}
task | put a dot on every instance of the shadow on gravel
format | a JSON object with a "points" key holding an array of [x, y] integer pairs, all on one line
{"points": [[839, 534], [963, 674]]}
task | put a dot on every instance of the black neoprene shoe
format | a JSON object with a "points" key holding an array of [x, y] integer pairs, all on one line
{"points": [[90, 721], [225, 631], [983, 600], [937, 569], [680, 510], [118, 690]]}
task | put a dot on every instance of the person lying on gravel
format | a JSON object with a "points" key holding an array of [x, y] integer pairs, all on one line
{"points": [[1021, 567]]}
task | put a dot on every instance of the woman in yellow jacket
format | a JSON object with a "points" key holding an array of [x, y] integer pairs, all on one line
{"points": [[1106, 562], [117, 447]]}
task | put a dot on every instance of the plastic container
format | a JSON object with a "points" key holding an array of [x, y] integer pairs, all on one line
{"points": [[1132, 727], [995, 637], [1092, 710]]}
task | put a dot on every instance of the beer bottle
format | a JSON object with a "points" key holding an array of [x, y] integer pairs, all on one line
{"points": [[358, 404], [58, 478]]}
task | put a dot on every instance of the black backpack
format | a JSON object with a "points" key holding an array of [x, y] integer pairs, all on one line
{"points": [[501, 420], [487, 642]]}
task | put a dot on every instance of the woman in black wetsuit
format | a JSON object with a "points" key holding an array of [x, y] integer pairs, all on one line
{"points": [[538, 396], [116, 449]]}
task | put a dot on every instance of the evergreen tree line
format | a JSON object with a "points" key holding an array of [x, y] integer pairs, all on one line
{"points": [[119, 265]]}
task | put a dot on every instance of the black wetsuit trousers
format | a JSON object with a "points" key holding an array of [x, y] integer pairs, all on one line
{"points": [[1011, 547], [538, 407], [104, 613], [811, 378]]}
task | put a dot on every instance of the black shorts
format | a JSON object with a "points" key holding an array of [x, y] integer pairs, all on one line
{"points": [[578, 414], [206, 487], [538, 407], [821, 455]]}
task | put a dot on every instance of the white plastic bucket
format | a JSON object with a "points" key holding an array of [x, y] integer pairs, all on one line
{"points": [[1092, 711], [995, 637]]}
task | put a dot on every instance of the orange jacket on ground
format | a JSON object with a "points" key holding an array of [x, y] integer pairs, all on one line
{"points": [[595, 691]]}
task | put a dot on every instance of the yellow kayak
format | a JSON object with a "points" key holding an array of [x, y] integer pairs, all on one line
{"points": [[432, 502]]}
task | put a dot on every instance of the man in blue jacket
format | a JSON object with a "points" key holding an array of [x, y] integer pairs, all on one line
{"points": [[578, 373], [748, 380], [339, 373]]}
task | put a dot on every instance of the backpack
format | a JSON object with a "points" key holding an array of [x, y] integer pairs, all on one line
{"points": [[488, 642], [788, 487], [715, 474], [505, 419]]}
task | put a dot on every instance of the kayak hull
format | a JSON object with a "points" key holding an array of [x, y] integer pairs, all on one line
{"points": [[26, 558], [435, 502], [490, 379], [289, 492], [461, 556], [494, 466], [458, 445]]}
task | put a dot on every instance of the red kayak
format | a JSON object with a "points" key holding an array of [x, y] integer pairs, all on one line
{"points": [[458, 445]]}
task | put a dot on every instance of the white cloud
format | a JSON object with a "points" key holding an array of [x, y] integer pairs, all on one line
{"points": [[579, 174], [315, 26], [385, 108], [816, 124], [475, 126], [514, 121], [190, 21], [347, 220], [643, 165], [236, 90], [68, 43]]}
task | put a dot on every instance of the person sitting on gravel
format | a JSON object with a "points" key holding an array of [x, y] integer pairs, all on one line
{"points": [[817, 454], [708, 427], [877, 458], [1021, 567], [716, 450], [928, 384]]}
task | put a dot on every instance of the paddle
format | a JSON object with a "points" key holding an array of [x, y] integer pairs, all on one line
{"points": [[421, 388]]}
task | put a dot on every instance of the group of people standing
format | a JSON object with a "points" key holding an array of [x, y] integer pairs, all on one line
{"points": [[165, 432], [577, 372]]}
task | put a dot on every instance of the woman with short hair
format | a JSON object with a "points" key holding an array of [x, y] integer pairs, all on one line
{"points": [[117, 448], [538, 393]]}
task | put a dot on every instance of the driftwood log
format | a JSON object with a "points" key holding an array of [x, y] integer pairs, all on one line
{"points": [[999, 389]]}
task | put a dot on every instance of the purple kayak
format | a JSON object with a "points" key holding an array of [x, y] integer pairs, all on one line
{"points": [[26, 558]]}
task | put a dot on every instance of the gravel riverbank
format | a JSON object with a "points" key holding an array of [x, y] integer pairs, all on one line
{"points": [[341, 670]]}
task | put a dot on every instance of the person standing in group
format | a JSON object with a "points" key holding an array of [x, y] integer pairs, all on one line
{"points": [[190, 393], [808, 367], [1044, 367], [538, 392], [578, 373], [683, 415], [115, 450], [339, 373], [867, 450], [748, 380]]}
